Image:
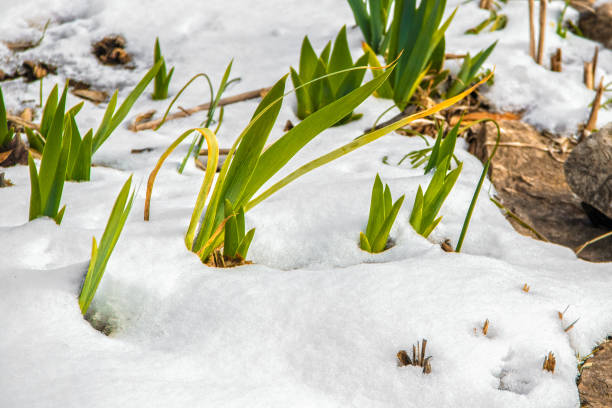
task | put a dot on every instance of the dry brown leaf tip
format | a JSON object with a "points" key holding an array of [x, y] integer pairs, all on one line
{"points": [[485, 327], [446, 246]]}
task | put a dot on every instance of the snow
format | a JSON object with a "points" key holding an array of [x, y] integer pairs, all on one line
{"points": [[314, 321]]}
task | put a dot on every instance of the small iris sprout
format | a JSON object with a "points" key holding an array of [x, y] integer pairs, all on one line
{"points": [[315, 88], [100, 254], [383, 212], [468, 73], [162, 79]]}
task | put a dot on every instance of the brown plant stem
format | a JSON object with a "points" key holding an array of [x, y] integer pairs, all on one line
{"points": [[555, 61], [542, 31], [135, 127], [531, 30], [590, 126]]}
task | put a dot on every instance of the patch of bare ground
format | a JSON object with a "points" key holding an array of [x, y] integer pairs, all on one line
{"points": [[527, 172], [595, 382]]}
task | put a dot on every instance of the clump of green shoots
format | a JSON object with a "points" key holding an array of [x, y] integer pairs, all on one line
{"points": [[424, 217], [372, 18], [383, 212], [443, 146], [101, 254], [468, 73], [162, 79], [81, 150], [249, 166], [416, 37], [47, 183], [496, 21], [236, 241], [312, 96]]}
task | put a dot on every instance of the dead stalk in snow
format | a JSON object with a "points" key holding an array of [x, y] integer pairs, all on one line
{"points": [[418, 357], [590, 126], [555, 61], [589, 80], [137, 126], [531, 30], [542, 31], [589, 70]]}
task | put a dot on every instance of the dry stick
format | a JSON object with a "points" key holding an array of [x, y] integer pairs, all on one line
{"points": [[595, 58], [531, 30], [555, 61], [522, 223], [596, 105], [542, 31], [592, 241], [589, 70], [187, 112], [589, 79]]}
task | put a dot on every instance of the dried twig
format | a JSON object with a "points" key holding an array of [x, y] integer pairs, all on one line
{"points": [[590, 67], [542, 31], [485, 327], [592, 241], [137, 126], [520, 222], [587, 77], [526, 288]]}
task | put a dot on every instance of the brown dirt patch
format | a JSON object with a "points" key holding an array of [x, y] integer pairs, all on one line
{"points": [[595, 384], [527, 172]]}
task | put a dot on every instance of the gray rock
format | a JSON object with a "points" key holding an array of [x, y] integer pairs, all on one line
{"points": [[598, 26], [588, 170]]}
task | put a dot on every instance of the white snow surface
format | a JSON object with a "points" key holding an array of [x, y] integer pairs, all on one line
{"points": [[314, 321]]}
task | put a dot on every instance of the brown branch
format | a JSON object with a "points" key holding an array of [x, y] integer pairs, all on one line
{"points": [[135, 126], [531, 30], [596, 105], [542, 31]]}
